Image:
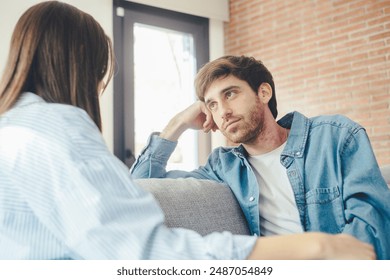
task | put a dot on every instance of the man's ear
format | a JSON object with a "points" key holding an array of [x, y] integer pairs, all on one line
{"points": [[265, 92]]}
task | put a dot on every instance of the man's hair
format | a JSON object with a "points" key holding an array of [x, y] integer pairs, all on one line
{"points": [[242, 67], [59, 53]]}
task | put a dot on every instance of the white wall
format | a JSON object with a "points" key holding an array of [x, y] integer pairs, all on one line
{"points": [[215, 9], [101, 10]]}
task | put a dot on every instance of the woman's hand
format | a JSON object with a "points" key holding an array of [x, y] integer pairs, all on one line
{"points": [[312, 245]]}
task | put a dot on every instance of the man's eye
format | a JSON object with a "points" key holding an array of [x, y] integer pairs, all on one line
{"points": [[229, 94], [212, 106]]}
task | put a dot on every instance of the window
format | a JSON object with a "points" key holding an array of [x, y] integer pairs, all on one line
{"points": [[158, 54]]}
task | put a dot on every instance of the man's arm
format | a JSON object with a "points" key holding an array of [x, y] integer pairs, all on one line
{"points": [[366, 195], [195, 116], [153, 160]]}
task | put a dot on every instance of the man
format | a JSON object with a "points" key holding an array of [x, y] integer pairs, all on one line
{"points": [[295, 175]]}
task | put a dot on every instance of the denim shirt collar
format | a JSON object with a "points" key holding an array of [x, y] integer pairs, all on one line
{"points": [[240, 151], [296, 142], [299, 131]]}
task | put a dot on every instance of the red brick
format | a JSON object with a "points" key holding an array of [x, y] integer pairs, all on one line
{"points": [[326, 57]]}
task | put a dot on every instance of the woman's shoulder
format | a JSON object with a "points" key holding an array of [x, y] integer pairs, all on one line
{"points": [[31, 111], [60, 124]]}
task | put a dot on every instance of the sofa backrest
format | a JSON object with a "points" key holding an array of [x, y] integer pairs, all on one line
{"points": [[201, 205]]}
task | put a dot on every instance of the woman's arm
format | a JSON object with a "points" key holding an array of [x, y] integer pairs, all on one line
{"points": [[311, 245]]}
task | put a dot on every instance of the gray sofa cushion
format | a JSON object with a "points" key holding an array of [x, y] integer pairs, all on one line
{"points": [[201, 205]]}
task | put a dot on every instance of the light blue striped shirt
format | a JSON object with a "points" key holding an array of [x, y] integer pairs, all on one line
{"points": [[64, 195]]}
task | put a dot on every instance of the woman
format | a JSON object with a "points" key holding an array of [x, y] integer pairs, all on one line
{"points": [[63, 194]]}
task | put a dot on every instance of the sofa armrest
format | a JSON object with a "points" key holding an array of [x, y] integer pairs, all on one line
{"points": [[201, 205]]}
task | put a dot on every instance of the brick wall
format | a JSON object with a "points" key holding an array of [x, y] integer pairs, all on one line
{"points": [[326, 57]]}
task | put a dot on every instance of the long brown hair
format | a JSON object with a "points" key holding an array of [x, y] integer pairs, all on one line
{"points": [[59, 53]]}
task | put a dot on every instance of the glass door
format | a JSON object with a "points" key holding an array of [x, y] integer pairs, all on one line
{"points": [[164, 71], [158, 54]]}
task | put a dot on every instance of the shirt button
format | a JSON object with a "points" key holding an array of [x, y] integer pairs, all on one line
{"points": [[251, 198], [298, 153]]}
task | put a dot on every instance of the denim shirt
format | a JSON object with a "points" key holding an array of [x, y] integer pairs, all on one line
{"points": [[337, 183]]}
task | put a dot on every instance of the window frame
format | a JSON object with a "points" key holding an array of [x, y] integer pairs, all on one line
{"points": [[125, 15]]}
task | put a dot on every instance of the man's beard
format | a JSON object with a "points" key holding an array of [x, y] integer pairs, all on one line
{"points": [[249, 131]]}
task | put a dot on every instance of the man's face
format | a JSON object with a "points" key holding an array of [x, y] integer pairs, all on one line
{"points": [[236, 109]]}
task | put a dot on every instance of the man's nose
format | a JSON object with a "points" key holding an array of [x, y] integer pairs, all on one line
{"points": [[225, 111]]}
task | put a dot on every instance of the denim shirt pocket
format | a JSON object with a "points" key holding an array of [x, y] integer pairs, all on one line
{"points": [[324, 210], [322, 195]]}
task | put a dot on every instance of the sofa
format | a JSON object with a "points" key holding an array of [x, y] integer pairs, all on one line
{"points": [[202, 205]]}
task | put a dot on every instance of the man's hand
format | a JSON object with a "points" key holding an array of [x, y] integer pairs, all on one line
{"points": [[196, 116]]}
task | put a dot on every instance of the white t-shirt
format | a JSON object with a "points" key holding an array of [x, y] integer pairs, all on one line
{"points": [[278, 209]]}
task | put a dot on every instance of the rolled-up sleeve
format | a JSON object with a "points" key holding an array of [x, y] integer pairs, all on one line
{"points": [[152, 161]]}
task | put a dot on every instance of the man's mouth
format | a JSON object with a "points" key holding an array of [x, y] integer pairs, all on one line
{"points": [[229, 123]]}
